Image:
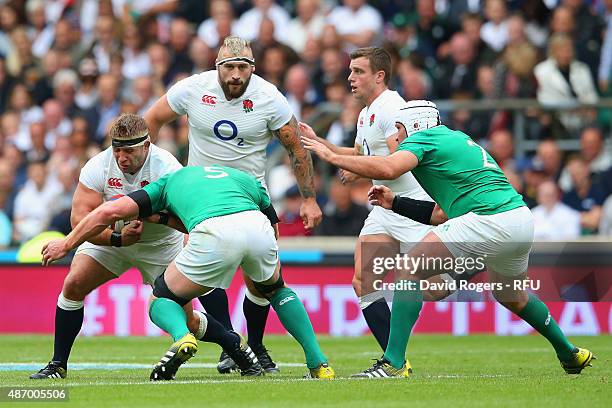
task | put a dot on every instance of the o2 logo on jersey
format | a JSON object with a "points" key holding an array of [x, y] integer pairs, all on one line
{"points": [[221, 129]]}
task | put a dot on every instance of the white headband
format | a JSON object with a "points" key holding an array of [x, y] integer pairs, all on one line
{"points": [[250, 61]]}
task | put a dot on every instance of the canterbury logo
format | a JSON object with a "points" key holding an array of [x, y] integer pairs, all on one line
{"points": [[547, 321], [287, 299], [209, 100], [115, 182]]}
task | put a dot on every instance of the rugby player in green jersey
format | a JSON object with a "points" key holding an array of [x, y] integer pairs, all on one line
{"points": [[487, 219], [228, 215]]}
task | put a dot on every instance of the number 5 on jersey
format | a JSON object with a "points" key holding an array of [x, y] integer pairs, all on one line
{"points": [[221, 129]]}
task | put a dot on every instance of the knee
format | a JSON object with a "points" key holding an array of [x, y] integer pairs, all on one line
{"points": [[75, 287], [193, 322]]}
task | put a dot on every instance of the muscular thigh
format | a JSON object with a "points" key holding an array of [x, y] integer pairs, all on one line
{"points": [[367, 249], [85, 275]]}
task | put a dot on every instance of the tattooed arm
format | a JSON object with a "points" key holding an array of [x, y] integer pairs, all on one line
{"points": [[289, 136]]}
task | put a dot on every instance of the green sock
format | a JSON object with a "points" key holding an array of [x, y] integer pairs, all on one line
{"points": [[537, 315], [405, 311], [169, 316], [294, 318]]}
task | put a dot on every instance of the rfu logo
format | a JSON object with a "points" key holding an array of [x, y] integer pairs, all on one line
{"points": [[209, 100], [115, 182]]}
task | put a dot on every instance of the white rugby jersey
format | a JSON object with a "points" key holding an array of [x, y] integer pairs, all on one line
{"points": [[102, 174], [375, 124], [232, 133]]}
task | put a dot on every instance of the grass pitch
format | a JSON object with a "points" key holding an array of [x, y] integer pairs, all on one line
{"points": [[474, 371]]}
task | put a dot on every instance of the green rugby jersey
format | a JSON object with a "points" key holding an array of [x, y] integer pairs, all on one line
{"points": [[196, 193], [459, 174]]}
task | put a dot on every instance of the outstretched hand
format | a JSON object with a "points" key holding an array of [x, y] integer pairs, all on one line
{"points": [[381, 196], [317, 147], [307, 131], [53, 250]]}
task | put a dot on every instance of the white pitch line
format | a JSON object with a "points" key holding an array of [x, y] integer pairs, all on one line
{"points": [[13, 366]]}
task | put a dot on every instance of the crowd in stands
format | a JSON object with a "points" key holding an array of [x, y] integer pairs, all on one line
{"points": [[68, 68]]}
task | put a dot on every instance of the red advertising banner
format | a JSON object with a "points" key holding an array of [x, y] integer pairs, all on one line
{"points": [[28, 295]]}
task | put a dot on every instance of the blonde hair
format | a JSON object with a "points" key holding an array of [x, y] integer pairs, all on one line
{"points": [[236, 45], [128, 126]]}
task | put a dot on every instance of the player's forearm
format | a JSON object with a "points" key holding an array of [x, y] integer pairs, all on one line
{"points": [[304, 172], [336, 149], [92, 225], [373, 167], [103, 238]]}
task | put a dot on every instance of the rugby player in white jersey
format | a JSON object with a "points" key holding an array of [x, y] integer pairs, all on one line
{"points": [[233, 115], [383, 230], [128, 165]]}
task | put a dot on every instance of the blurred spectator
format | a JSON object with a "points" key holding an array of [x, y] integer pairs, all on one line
{"points": [[135, 59], [180, 38], [21, 103], [66, 39], [501, 148], [143, 95], [87, 93], [20, 60], [342, 216], [63, 153], [220, 24], [65, 85], [514, 72], [105, 44], [343, 131], [291, 224], [553, 220], [495, 31], [605, 64], [160, 64], [585, 197], [549, 158], [34, 203], [266, 40], [333, 68], [536, 16], [587, 33], [43, 89], [37, 152], [106, 109], [357, 23], [6, 84], [308, 23], [249, 23], [593, 152], [7, 188], [456, 75], [80, 139], [605, 226], [432, 31], [68, 178], [299, 89], [471, 25], [415, 82], [562, 79], [58, 125], [273, 65], [201, 55], [280, 179]]}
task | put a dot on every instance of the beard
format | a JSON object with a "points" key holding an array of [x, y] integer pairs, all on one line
{"points": [[232, 92]]}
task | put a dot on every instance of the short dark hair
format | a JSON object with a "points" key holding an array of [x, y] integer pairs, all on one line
{"points": [[379, 58]]}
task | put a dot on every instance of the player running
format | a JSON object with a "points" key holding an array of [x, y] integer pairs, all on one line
{"points": [[129, 164], [383, 229], [487, 218], [233, 115], [223, 210]]}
